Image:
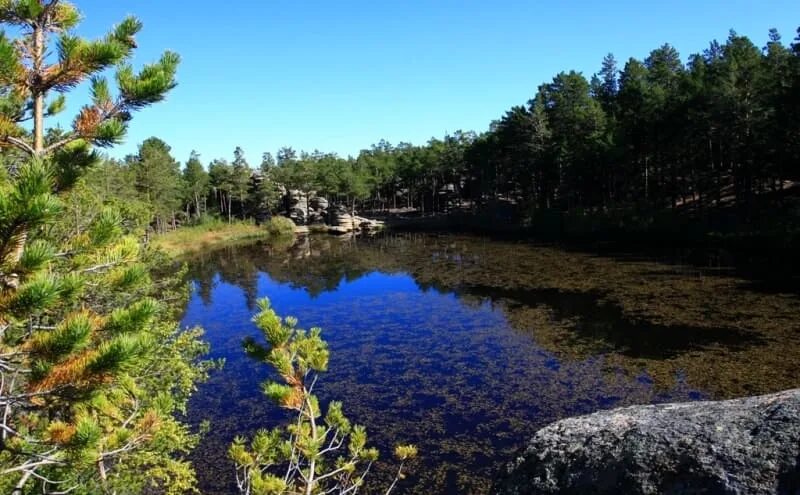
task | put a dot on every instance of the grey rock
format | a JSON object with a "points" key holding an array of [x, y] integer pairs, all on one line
{"points": [[740, 446], [337, 209], [367, 224], [319, 203], [315, 218], [337, 230], [296, 206], [297, 215], [337, 218]]}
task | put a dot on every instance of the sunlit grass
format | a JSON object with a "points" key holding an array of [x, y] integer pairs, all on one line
{"points": [[209, 234]]}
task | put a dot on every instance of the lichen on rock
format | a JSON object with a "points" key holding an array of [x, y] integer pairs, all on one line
{"points": [[740, 446]]}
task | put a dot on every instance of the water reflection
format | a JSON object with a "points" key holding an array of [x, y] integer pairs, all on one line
{"points": [[466, 346]]}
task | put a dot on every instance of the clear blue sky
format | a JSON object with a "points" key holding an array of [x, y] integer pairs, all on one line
{"points": [[340, 75]]}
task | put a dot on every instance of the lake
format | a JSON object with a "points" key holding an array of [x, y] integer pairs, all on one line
{"points": [[465, 346]]}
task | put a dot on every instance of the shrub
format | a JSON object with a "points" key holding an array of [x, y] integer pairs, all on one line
{"points": [[280, 226]]}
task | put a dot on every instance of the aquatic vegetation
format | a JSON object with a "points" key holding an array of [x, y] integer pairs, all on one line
{"points": [[471, 345], [312, 454]]}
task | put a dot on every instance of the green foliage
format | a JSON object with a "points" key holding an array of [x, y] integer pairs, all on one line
{"points": [[25, 203], [644, 136], [37, 293], [137, 315], [93, 372], [70, 335], [158, 180], [300, 458], [48, 25], [196, 182], [36, 256], [102, 354], [280, 226]]}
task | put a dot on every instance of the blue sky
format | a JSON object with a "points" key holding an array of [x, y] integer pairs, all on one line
{"points": [[340, 75]]}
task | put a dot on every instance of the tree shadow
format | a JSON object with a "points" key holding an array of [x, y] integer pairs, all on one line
{"points": [[600, 327]]}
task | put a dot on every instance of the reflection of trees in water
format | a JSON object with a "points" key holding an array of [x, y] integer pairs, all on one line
{"points": [[641, 315], [602, 328]]}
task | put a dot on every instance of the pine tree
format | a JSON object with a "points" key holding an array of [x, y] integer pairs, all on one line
{"points": [[240, 178], [607, 84], [312, 454], [267, 163], [578, 125], [93, 366], [158, 180], [196, 180], [220, 175], [34, 88], [634, 116]]}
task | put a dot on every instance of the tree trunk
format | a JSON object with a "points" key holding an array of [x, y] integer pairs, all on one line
{"points": [[38, 97], [38, 126]]}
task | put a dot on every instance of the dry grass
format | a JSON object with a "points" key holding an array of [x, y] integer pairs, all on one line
{"points": [[186, 240]]}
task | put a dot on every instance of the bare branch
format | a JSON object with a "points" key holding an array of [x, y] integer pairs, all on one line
{"points": [[19, 143]]}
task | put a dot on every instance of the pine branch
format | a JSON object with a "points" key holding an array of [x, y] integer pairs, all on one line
{"points": [[21, 144]]}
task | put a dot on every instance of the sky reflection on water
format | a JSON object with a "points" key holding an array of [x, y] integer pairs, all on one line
{"points": [[415, 363]]}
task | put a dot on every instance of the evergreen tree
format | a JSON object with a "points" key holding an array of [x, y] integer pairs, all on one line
{"points": [[577, 123], [634, 116], [313, 454], [30, 77], [92, 367], [718, 131], [35, 88], [220, 175], [196, 181], [158, 179], [240, 178], [267, 163], [286, 156], [606, 84]]}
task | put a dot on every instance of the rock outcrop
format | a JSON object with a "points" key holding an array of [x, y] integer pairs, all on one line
{"points": [[741, 446], [296, 204], [339, 217], [312, 210], [368, 225]]}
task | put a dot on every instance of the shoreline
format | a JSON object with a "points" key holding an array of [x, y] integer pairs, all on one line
{"points": [[190, 240]]}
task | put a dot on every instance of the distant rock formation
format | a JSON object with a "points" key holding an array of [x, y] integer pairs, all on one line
{"points": [[741, 446], [338, 216], [296, 203], [309, 209]]}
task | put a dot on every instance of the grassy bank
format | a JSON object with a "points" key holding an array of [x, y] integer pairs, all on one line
{"points": [[191, 239]]}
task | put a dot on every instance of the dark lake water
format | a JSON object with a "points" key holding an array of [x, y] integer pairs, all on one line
{"points": [[466, 346]]}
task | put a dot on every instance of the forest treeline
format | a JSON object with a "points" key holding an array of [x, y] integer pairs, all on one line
{"points": [[719, 131]]}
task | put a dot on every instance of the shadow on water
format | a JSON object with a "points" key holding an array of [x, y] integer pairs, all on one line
{"points": [[603, 328], [466, 346]]}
